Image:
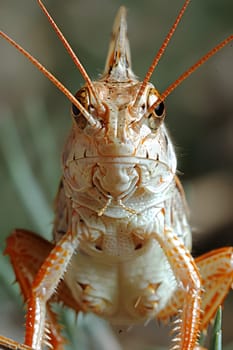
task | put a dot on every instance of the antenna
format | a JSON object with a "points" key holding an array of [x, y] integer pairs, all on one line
{"points": [[72, 54], [189, 71], [53, 79], [159, 54]]}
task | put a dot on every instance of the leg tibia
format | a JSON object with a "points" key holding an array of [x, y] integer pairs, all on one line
{"points": [[216, 270], [28, 253]]}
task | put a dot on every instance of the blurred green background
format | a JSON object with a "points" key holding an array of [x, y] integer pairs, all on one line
{"points": [[34, 121]]}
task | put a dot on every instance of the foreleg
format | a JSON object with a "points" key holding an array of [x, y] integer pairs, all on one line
{"points": [[187, 274]]}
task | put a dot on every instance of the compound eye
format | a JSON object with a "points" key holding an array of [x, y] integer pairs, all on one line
{"points": [[83, 98], [75, 110], [80, 120], [156, 117], [159, 109]]}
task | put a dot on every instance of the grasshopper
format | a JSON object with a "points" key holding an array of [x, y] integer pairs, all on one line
{"points": [[121, 238]]}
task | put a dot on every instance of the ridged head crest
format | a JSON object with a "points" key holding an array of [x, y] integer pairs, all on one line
{"points": [[118, 63]]}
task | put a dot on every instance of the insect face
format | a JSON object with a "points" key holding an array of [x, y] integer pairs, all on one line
{"points": [[129, 150]]}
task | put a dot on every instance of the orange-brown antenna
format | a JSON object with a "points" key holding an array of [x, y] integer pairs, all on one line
{"points": [[71, 53], [53, 79], [159, 54], [188, 72]]}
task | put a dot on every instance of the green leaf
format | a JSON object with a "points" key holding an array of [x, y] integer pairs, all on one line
{"points": [[216, 339]]}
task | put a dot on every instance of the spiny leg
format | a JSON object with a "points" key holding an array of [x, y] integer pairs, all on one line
{"points": [[9, 344], [186, 272], [44, 285], [216, 269], [28, 252]]}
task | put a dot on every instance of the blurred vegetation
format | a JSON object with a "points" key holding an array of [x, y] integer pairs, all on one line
{"points": [[34, 121]]}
